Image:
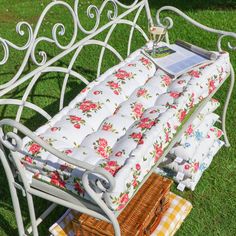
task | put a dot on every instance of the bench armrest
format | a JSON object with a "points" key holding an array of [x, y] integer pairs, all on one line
{"points": [[17, 145], [13, 142], [167, 23]]}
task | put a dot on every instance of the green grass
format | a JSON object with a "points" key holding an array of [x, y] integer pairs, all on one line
{"points": [[213, 200]]}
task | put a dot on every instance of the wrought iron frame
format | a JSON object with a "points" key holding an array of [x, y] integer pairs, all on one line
{"points": [[11, 141]]}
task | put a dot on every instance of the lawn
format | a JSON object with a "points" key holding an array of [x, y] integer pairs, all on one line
{"points": [[214, 200]]}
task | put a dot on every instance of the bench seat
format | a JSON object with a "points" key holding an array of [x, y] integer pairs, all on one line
{"points": [[122, 122]]}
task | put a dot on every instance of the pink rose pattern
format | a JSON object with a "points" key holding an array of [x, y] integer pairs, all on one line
{"points": [[78, 186], [123, 75], [108, 127], [143, 93], [137, 137], [123, 197], [137, 110], [88, 107], [76, 121], [115, 87], [111, 166], [157, 151], [146, 123], [189, 130], [57, 180], [101, 145], [166, 80], [191, 167], [146, 62]]}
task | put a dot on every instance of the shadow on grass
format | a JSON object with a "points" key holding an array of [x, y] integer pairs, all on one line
{"points": [[40, 205], [74, 87], [6, 227]]}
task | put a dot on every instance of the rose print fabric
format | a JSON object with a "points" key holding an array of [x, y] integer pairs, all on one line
{"points": [[122, 122], [191, 167], [191, 182], [210, 107], [187, 147]]}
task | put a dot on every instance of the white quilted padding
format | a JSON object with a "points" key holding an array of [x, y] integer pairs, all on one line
{"points": [[122, 122]]}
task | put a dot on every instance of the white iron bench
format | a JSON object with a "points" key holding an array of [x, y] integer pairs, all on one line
{"points": [[95, 153]]}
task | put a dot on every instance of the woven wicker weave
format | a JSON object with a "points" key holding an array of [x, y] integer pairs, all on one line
{"points": [[140, 217]]}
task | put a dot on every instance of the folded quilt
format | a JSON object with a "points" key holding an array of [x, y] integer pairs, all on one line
{"points": [[188, 174], [192, 182], [210, 107], [191, 167], [121, 122], [186, 149]]}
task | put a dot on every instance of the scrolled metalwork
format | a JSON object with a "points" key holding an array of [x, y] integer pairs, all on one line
{"points": [[219, 42], [168, 23], [126, 6], [40, 58], [94, 12], [109, 181], [6, 44], [97, 198], [11, 141], [57, 30]]}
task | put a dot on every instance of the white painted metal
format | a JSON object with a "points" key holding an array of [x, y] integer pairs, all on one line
{"points": [[167, 22], [13, 142], [63, 89], [132, 29], [43, 216]]}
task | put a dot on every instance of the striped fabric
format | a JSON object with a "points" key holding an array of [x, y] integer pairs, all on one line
{"points": [[169, 224]]}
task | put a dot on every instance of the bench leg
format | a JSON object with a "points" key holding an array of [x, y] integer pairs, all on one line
{"points": [[232, 73], [109, 213], [32, 214], [13, 192]]}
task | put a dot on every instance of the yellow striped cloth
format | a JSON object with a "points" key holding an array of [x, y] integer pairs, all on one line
{"points": [[169, 224]]}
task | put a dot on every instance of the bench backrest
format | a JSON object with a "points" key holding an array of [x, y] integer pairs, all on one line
{"points": [[67, 51]]}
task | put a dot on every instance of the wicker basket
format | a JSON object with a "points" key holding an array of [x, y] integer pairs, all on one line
{"points": [[140, 217]]}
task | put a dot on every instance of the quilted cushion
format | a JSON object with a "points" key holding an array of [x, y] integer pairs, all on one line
{"points": [[187, 147], [121, 122], [192, 171], [190, 167]]}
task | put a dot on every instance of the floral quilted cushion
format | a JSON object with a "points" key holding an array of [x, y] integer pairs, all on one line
{"points": [[190, 167], [191, 183], [189, 173], [121, 122], [187, 147]]}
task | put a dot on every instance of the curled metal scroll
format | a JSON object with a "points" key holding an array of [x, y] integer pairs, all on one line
{"points": [[6, 44], [93, 12], [168, 23], [40, 58]]}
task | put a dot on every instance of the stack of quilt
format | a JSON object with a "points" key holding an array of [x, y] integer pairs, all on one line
{"points": [[193, 154]]}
